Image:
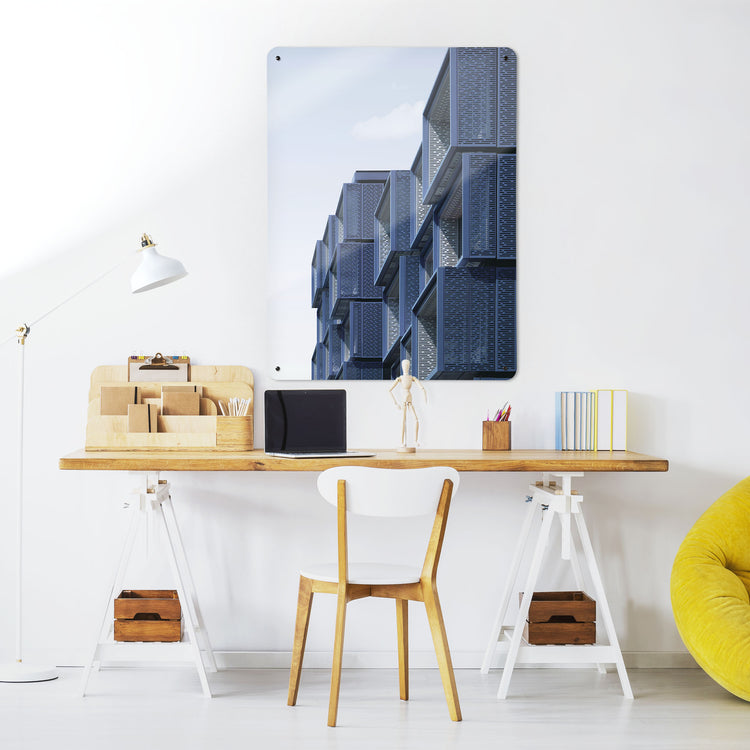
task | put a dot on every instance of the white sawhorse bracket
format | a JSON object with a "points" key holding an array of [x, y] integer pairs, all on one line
{"points": [[154, 502], [550, 500]]}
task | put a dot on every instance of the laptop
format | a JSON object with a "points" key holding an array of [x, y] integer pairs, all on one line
{"points": [[307, 424]]}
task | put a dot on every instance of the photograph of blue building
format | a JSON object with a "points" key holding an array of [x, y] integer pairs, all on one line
{"points": [[395, 169], [419, 263]]}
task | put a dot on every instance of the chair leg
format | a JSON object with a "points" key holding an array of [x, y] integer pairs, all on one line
{"points": [[338, 654], [304, 603], [440, 640], [402, 627]]}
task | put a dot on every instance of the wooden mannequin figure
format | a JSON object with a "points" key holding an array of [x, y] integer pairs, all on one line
{"points": [[406, 381]]}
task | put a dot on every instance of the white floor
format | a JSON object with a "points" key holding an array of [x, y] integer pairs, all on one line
{"points": [[547, 708]]}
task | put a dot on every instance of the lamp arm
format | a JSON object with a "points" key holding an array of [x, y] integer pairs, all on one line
{"points": [[27, 326], [81, 290]]}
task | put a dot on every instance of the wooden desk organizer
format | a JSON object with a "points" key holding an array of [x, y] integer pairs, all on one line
{"points": [[209, 431]]}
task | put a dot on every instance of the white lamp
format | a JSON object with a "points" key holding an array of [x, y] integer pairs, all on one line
{"points": [[154, 271]]}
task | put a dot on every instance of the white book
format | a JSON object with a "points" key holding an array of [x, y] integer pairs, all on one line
{"points": [[570, 424], [587, 421], [619, 420], [604, 420]]}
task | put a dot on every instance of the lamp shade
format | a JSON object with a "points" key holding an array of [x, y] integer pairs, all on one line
{"points": [[155, 270]]}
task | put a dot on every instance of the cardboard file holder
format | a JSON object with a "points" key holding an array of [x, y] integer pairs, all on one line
{"points": [[142, 417], [184, 403], [116, 398]]}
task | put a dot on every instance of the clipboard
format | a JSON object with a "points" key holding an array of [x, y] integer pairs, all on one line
{"points": [[159, 368]]}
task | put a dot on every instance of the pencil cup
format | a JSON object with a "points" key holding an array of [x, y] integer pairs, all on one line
{"points": [[495, 436]]}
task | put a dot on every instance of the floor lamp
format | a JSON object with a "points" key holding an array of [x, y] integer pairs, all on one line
{"points": [[155, 270]]}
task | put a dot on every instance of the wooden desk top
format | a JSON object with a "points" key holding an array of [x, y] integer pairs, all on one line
{"points": [[462, 460]]}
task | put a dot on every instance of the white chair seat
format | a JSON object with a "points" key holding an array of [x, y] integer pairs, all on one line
{"points": [[364, 573]]}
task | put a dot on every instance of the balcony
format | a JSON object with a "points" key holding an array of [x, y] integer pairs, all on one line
{"points": [[351, 276], [471, 108], [464, 325], [356, 207]]}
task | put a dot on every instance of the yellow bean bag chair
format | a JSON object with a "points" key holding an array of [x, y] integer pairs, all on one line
{"points": [[709, 587]]}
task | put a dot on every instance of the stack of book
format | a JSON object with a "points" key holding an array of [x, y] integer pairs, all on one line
{"points": [[591, 420]]}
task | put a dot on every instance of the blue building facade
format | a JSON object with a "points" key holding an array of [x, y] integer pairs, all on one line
{"points": [[420, 263]]}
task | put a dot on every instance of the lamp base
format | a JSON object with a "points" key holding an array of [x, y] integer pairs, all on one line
{"points": [[17, 671]]}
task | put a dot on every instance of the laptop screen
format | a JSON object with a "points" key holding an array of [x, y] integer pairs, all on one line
{"points": [[305, 421]]}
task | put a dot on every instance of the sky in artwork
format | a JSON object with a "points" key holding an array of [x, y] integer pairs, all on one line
{"points": [[331, 112]]}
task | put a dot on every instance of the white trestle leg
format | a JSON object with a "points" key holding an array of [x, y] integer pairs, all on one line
{"points": [[153, 507], [550, 500]]}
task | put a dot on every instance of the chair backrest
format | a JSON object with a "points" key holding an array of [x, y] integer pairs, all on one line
{"points": [[392, 493]]}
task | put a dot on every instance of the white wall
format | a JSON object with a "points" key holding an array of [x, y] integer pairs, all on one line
{"points": [[632, 187]]}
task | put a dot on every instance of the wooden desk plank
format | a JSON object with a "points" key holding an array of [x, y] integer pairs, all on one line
{"points": [[462, 460]]}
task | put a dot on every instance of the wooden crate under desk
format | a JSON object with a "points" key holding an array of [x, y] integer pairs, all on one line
{"points": [[148, 616], [560, 618]]}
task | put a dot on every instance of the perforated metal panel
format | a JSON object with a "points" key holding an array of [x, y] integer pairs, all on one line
{"points": [[358, 207], [365, 330], [506, 206], [351, 276], [474, 70], [391, 315], [467, 307], [420, 209], [426, 355], [318, 272], [335, 349], [505, 320], [362, 370], [507, 96], [394, 219], [479, 206]]}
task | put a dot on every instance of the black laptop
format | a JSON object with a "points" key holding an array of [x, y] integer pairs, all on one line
{"points": [[307, 424]]}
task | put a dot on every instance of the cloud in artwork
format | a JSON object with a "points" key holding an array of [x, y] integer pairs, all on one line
{"points": [[404, 121]]}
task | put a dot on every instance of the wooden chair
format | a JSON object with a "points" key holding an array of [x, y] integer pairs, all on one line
{"points": [[389, 493]]}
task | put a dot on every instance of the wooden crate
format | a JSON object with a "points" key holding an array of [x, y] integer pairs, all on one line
{"points": [[152, 615], [560, 618]]}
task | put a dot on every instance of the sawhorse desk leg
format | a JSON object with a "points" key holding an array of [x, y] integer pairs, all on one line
{"points": [[551, 500], [154, 501]]}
